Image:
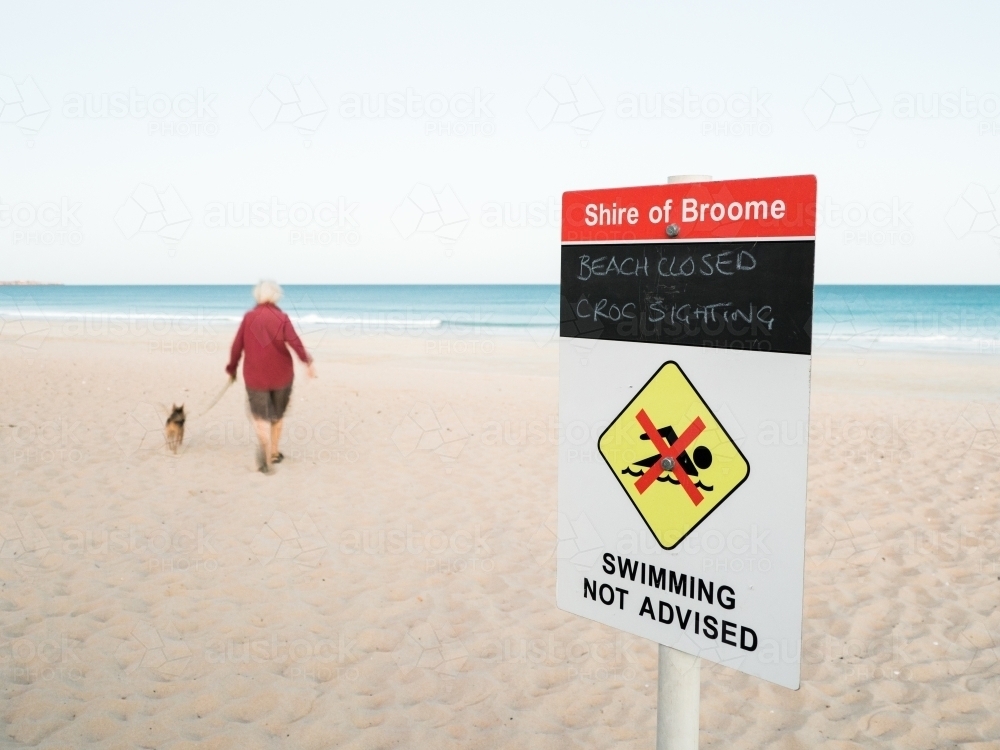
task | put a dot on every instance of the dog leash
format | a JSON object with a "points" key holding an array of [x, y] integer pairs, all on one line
{"points": [[229, 382]]}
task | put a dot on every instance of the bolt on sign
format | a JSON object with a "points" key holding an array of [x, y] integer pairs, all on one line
{"points": [[685, 343]]}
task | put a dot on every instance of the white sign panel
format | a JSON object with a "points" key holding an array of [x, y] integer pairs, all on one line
{"points": [[684, 407]]}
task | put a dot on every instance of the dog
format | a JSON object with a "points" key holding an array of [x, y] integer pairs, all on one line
{"points": [[175, 428]]}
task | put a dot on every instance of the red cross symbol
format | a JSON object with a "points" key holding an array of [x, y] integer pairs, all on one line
{"points": [[669, 451]]}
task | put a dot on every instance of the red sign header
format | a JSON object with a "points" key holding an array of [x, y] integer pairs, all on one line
{"points": [[729, 209]]}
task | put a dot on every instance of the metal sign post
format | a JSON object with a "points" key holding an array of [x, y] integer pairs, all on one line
{"points": [[678, 700], [678, 682]]}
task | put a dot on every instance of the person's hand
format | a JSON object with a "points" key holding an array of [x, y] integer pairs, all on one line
{"points": [[232, 379], [311, 370]]}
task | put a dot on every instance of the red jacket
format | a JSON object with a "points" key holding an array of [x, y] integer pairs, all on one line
{"points": [[265, 334]]}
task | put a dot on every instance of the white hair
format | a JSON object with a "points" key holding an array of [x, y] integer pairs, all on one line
{"points": [[267, 292]]}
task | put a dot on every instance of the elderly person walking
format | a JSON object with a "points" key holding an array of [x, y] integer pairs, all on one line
{"points": [[265, 335]]}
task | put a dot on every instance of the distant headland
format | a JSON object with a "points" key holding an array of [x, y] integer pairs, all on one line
{"points": [[30, 283]]}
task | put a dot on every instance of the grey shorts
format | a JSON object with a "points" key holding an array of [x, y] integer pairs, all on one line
{"points": [[269, 405]]}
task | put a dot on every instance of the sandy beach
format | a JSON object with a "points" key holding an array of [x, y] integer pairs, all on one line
{"points": [[392, 584]]}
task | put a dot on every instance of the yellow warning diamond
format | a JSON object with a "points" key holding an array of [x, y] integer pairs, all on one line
{"points": [[672, 457]]}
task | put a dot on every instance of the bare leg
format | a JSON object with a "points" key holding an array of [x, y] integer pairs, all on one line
{"points": [[275, 437], [263, 429]]}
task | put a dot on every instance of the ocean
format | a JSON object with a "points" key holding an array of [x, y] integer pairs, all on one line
{"points": [[856, 318]]}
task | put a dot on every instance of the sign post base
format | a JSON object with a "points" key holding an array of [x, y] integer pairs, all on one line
{"points": [[678, 698]]}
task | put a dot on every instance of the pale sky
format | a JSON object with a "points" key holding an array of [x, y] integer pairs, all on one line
{"points": [[567, 99]]}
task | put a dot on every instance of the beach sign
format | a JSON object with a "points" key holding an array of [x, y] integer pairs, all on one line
{"points": [[685, 343]]}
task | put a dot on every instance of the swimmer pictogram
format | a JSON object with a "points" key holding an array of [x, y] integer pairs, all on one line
{"points": [[674, 479]]}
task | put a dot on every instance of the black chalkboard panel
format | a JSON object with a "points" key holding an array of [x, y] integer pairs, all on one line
{"points": [[755, 295]]}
